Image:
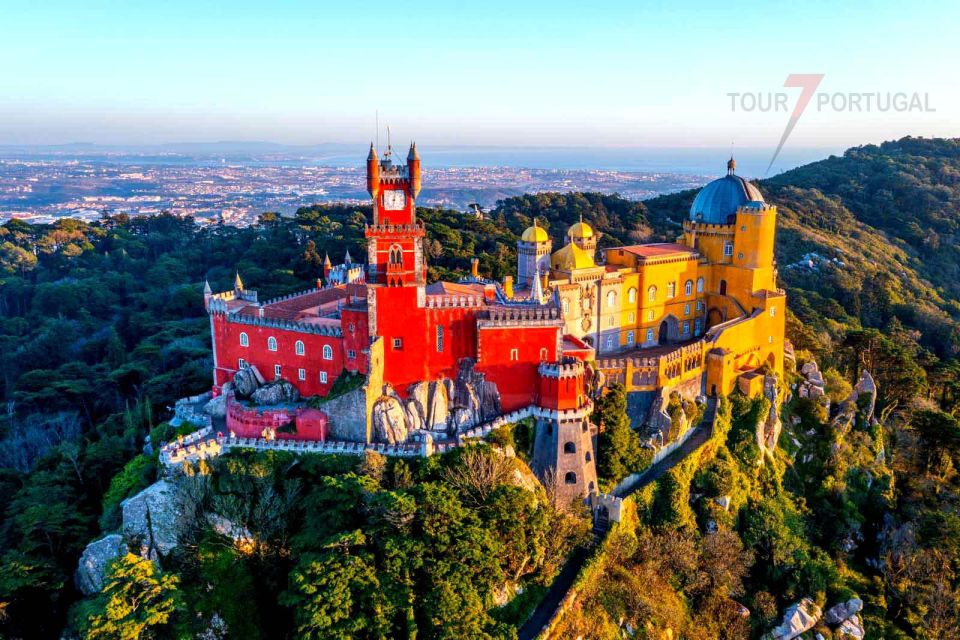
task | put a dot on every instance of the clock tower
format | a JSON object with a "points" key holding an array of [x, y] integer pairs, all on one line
{"points": [[395, 238]]}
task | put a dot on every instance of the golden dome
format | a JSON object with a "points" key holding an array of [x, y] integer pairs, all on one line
{"points": [[581, 231], [535, 234], [571, 257]]}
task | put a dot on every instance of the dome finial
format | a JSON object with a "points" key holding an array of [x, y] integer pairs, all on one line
{"points": [[731, 166]]}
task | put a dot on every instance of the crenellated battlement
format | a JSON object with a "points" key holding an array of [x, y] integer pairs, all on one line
{"points": [[399, 230], [287, 325], [450, 302], [516, 315], [569, 368]]}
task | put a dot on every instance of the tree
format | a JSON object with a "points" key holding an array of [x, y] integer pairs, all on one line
{"points": [[135, 602], [618, 447]]}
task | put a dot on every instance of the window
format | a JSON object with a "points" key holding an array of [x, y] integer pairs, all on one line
{"points": [[686, 328], [439, 338], [610, 321], [244, 340], [649, 335], [514, 354], [241, 363], [569, 447], [398, 343], [699, 285], [671, 289], [650, 314], [728, 248], [300, 348], [276, 371], [699, 305], [697, 327], [688, 288], [327, 352], [272, 343], [570, 478], [740, 256], [632, 294], [686, 309], [629, 337], [609, 342], [323, 377], [352, 328], [773, 311], [351, 354], [566, 307], [652, 294], [631, 317], [588, 457], [611, 299], [301, 374], [543, 355]]}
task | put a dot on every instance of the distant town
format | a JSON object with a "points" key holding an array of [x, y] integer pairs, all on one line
{"points": [[43, 189]]}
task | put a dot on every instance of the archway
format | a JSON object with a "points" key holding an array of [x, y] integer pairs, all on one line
{"points": [[714, 317], [669, 330], [723, 287]]}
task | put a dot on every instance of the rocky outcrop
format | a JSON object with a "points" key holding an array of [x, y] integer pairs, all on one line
{"points": [[861, 403], [812, 386], [276, 392], [94, 562], [797, 619], [838, 613], [389, 423], [246, 381], [851, 629], [156, 517], [445, 406], [768, 430], [217, 407]]}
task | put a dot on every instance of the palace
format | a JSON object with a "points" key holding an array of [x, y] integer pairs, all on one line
{"points": [[701, 316]]}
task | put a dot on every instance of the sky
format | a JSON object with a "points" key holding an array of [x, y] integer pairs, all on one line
{"points": [[530, 73]]}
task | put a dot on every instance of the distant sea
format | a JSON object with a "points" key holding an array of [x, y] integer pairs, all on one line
{"points": [[751, 162]]}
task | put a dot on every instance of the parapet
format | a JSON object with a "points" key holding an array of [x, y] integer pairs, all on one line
{"points": [[516, 315], [568, 368]]}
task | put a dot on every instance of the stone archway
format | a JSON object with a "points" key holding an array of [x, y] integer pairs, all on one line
{"points": [[714, 317], [669, 330]]}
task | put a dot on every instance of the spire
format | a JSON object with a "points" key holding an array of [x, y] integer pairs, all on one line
{"points": [[326, 260], [347, 259], [731, 166], [537, 288], [413, 154], [206, 288], [373, 153], [237, 283]]}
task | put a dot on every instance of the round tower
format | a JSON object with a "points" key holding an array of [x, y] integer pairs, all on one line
{"points": [[533, 254], [373, 173], [582, 235], [413, 169]]}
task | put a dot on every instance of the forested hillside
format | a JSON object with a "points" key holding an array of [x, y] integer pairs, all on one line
{"points": [[102, 328]]}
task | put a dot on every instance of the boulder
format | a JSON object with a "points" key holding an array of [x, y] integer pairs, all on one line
{"points": [[838, 613], [246, 381], [217, 407], [768, 431], [389, 420], [438, 407], [723, 502], [157, 517], [94, 561], [463, 419], [276, 392], [808, 368], [866, 385], [797, 619], [851, 628], [413, 415]]}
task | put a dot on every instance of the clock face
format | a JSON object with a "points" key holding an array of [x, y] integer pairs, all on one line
{"points": [[393, 200]]}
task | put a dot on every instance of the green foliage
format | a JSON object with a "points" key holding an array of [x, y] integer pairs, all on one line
{"points": [[135, 601], [136, 475], [619, 453]]}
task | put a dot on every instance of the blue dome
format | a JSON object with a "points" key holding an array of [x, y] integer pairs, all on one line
{"points": [[719, 200]]}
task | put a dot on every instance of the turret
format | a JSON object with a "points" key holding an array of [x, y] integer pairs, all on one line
{"points": [[327, 266], [237, 284], [413, 169], [373, 173], [207, 294]]}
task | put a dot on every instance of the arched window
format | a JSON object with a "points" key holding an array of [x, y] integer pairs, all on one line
{"points": [[700, 285], [671, 289], [566, 306], [543, 354], [611, 299], [652, 293], [630, 337], [588, 457], [569, 447], [300, 348], [632, 294], [649, 335], [244, 340], [396, 254], [272, 343], [570, 478], [327, 352], [728, 249], [688, 288], [514, 354]]}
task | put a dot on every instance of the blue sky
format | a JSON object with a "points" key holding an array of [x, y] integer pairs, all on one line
{"points": [[492, 72]]}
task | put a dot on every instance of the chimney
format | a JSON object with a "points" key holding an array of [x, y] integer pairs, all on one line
{"points": [[475, 267], [508, 286]]}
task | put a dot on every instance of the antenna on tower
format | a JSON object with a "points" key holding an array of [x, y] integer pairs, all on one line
{"points": [[388, 139], [377, 116]]}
